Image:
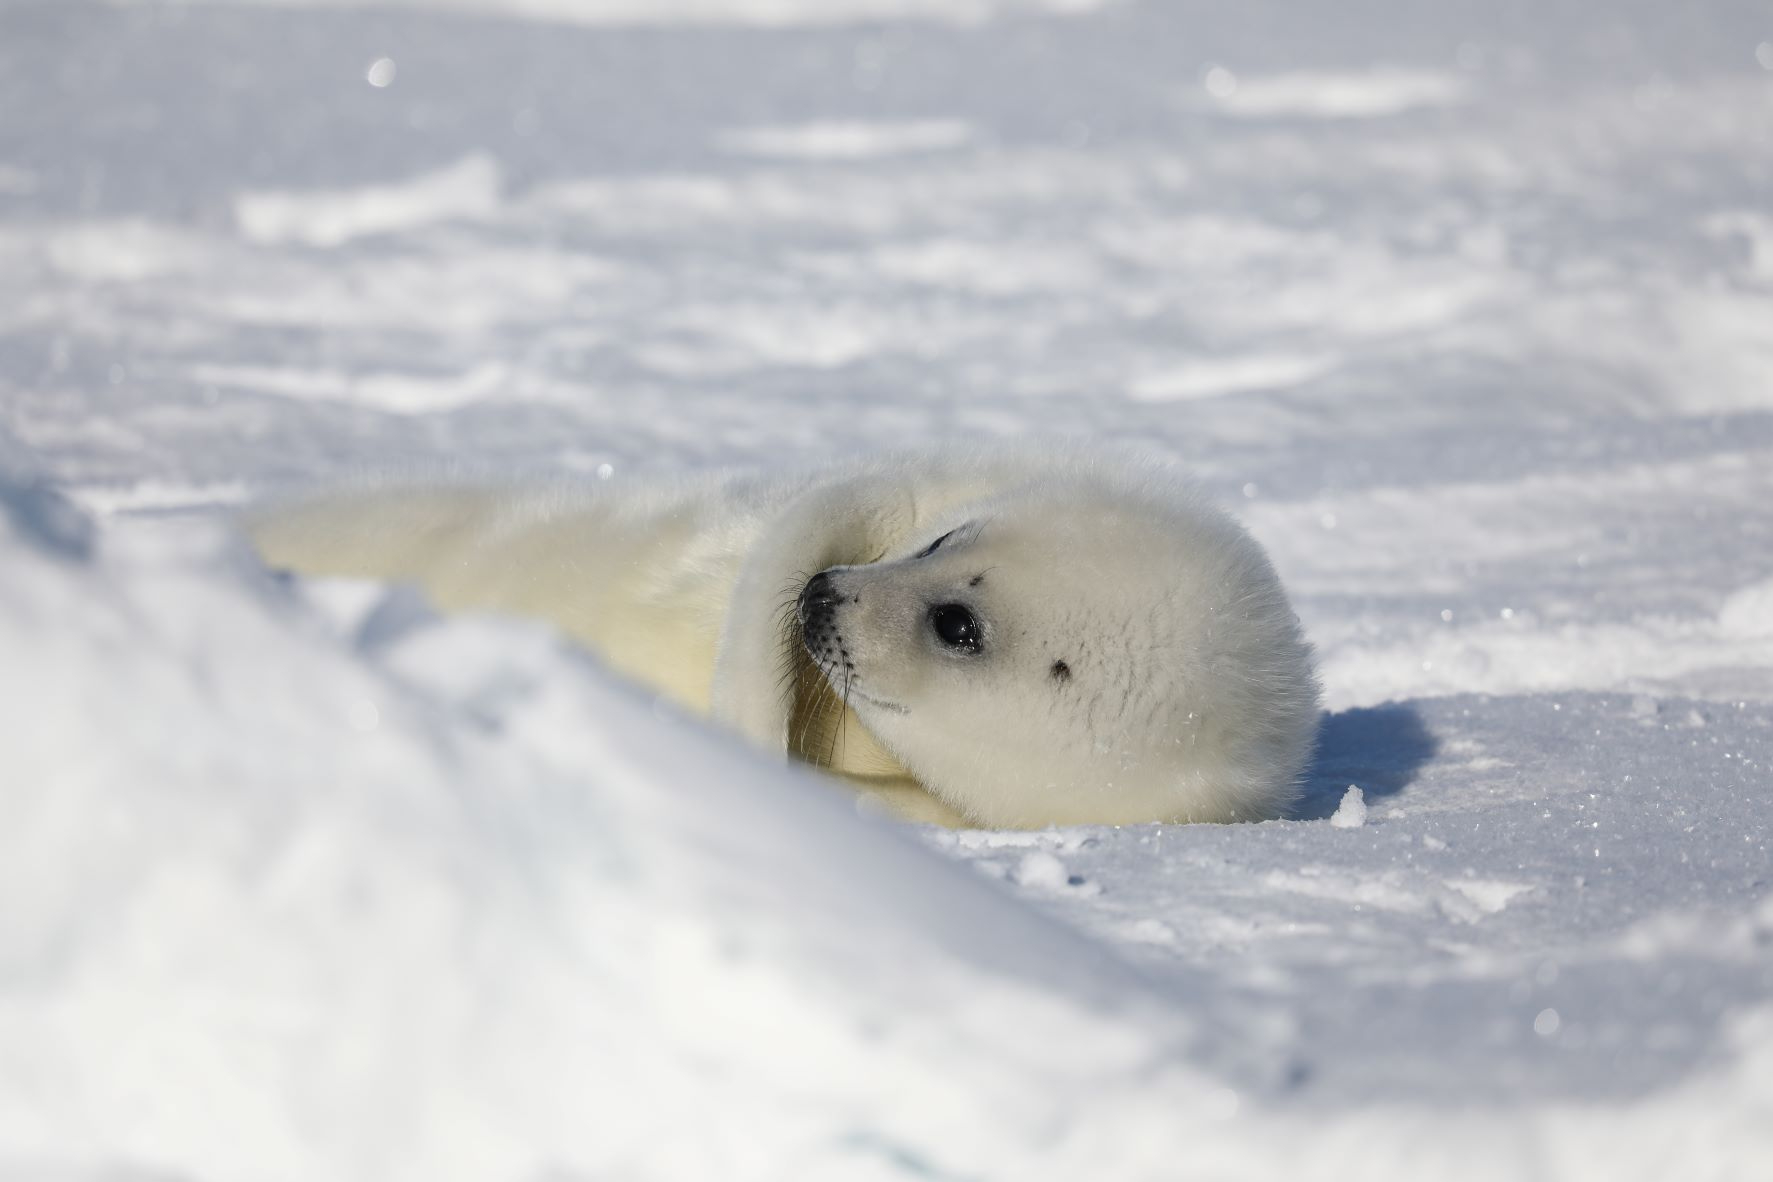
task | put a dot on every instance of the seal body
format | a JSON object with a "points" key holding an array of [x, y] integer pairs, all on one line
{"points": [[1014, 637]]}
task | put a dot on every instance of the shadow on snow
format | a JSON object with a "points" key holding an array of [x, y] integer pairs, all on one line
{"points": [[1380, 748]]}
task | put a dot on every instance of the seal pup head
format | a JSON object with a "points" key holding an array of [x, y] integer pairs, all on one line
{"points": [[1087, 649]]}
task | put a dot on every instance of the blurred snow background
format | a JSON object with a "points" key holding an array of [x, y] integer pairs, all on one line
{"points": [[1466, 308]]}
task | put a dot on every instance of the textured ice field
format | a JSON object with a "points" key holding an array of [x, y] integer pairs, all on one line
{"points": [[1465, 308]]}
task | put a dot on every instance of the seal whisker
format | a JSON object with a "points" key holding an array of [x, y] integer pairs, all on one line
{"points": [[843, 719], [825, 702]]}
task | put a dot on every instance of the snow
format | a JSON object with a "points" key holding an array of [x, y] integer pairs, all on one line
{"points": [[714, 12], [467, 189], [1462, 308], [1366, 94], [1351, 813], [830, 140]]}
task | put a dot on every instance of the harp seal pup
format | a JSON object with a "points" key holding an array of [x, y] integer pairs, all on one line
{"points": [[1015, 638]]}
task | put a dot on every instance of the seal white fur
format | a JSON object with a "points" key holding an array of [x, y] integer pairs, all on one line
{"points": [[1139, 660]]}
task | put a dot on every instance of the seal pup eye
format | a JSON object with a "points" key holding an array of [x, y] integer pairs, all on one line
{"points": [[956, 627], [935, 545]]}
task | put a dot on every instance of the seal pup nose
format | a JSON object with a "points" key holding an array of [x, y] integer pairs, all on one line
{"points": [[817, 596]]}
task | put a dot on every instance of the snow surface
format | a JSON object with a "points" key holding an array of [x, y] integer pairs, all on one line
{"points": [[1463, 307]]}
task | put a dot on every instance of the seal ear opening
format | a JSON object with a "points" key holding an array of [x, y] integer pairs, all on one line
{"points": [[1060, 672]]}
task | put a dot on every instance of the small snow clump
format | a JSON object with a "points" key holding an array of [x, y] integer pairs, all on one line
{"points": [[1352, 812]]}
